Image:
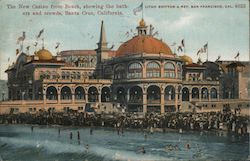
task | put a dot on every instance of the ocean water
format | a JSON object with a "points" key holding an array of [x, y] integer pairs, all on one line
{"points": [[19, 143]]}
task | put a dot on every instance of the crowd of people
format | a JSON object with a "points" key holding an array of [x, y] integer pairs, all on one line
{"points": [[228, 121]]}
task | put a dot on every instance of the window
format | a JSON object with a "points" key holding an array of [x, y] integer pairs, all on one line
{"points": [[179, 69], [135, 70], [120, 72], [153, 70], [169, 70]]}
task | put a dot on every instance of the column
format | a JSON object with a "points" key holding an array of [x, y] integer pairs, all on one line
{"points": [[209, 96], [190, 96], [199, 95], [44, 98], [86, 95], [99, 97], [218, 95], [162, 102], [73, 98], [127, 96], [176, 98], [144, 102], [59, 98]]}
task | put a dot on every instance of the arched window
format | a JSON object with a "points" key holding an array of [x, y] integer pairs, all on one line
{"points": [[195, 93], [135, 94], [54, 75], [153, 70], [119, 72], [79, 93], [105, 95], [204, 93], [63, 75], [169, 70], [185, 94], [213, 93], [51, 93], [93, 94], [66, 93], [78, 75], [169, 93], [154, 94], [179, 69], [107, 73], [135, 70], [67, 75]]}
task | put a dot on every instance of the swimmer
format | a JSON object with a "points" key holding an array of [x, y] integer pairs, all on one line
{"points": [[87, 148], [78, 135], [59, 132], [187, 146], [70, 135], [142, 150]]}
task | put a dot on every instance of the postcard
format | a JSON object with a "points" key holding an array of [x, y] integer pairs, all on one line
{"points": [[148, 80]]}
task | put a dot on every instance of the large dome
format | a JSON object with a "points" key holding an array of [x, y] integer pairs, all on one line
{"points": [[44, 54], [143, 44]]}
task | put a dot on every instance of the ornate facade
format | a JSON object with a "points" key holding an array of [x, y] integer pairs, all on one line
{"points": [[142, 75]]}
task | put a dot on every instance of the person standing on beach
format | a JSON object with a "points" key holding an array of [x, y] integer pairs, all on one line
{"points": [[59, 132], [32, 129], [78, 137], [70, 136]]}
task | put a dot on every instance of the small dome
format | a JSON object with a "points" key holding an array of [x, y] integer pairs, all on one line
{"points": [[187, 60], [143, 44], [142, 23], [44, 54]]}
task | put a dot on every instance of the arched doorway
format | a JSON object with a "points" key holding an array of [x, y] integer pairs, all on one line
{"points": [[105, 94], [121, 95], [135, 94], [169, 93], [204, 93], [185, 94], [195, 93], [93, 94], [154, 94], [51, 93], [66, 93], [214, 93], [79, 93]]}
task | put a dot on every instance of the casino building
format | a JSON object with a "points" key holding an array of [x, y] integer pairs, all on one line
{"points": [[142, 75]]}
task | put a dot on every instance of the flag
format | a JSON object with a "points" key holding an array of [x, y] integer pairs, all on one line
{"points": [[57, 45], [138, 9], [39, 34], [35, 44], [179, 49], [21, 38], [238, 54], [156, 33], [17, 51], [182, 43], [218, 58], [198, 52], [28, 48]]}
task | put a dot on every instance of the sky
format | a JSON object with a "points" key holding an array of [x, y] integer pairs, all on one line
{"points": [[226, 30]]}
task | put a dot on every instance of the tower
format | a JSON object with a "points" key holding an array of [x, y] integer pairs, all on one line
{"points": [[142, 28], [102, 46]]}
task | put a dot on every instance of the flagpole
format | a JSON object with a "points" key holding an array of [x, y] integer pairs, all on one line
{"points": [[142, 11], [207, 51]]}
